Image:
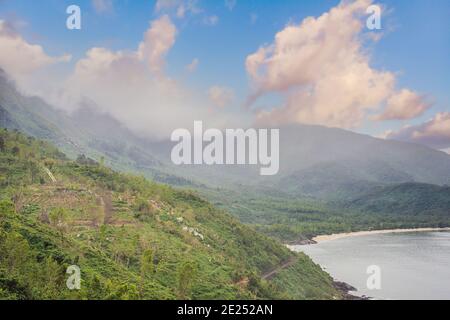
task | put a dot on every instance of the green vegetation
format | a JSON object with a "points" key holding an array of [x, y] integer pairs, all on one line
{"points": [[291, 219], [408, 199], [131, 238]]}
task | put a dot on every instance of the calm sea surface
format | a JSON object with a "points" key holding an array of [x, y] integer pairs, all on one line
{"points": [[413, 265]]}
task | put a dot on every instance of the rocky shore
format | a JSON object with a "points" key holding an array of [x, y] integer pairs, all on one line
{"points": [[301, 242], [345, 289]]}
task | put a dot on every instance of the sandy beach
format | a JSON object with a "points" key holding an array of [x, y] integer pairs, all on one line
{"points": [[336, 236]]}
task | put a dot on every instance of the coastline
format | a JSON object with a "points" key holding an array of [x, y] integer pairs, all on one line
{"points": [[336, 236], [348, 291]]}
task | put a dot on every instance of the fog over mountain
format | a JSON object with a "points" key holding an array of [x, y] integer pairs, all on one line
{"points": [[314, 160]]}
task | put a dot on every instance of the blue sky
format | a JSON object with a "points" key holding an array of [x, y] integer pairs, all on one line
{"points": [[415, 45]]}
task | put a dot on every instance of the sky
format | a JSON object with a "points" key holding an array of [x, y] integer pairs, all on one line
{"points": [[158, 65]]}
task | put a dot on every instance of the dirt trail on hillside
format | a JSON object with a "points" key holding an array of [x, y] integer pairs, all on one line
{"points": [[106, 203], [272, 273]]}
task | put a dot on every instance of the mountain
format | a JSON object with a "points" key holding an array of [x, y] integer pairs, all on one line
{"points": [[315, 161], [84, 131], [131, 238], [322, 170], [327, 162], [406, 199]]}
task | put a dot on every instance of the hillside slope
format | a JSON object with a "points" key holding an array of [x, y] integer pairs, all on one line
{"points": [[406, 199], [131, 238]]}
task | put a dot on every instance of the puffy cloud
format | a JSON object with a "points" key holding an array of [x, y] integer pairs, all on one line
{"points": [[221, 96], [322, 70], [157, 42], [191, 67], [18, 57], [404, 105], [132, 87], [103, 6], [434, 133]]}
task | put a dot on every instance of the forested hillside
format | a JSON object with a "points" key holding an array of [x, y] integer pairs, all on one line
{"points": [[330, 179], [131, 238], [413, 199]]}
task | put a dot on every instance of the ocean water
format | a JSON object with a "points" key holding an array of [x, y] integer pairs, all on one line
{"points": [[410, 266]]}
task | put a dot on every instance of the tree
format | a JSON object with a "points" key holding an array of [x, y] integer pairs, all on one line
{"points": [[96, 289], [58, 219], [144, 210], [15, 150], [82, 159], [33, 170], [148, 267], [16, 254], [2, 144], [49, 163], [49, 280], [187, 273], [121, 291], [7, 208]]}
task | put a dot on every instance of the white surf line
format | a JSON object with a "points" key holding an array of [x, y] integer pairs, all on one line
{"points": [[323, 238], [50, 174]]}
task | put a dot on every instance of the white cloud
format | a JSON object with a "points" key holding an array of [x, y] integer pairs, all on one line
{"points": [[181, 7], [103, 6], [211, 20], [185, 8], [221, 96], [384, 135], [439, 126], [133, 87], [166, 4], [322, 70], [434, 132], [157, 42], [191, 67], [181, 11], [230, 4], [404, 105], [19, 58], [253, 18]]}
